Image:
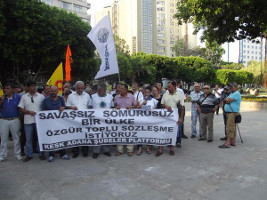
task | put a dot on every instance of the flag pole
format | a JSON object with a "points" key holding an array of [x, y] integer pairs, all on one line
{"points": [[119, 78]]}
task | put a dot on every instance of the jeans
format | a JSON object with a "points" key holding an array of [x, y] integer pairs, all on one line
{"points": [[61, 153], [97, 149], [30, 129], [195, 116], [179, 133], [14, 127]]}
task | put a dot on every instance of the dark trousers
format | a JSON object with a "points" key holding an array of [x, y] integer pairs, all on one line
{"points": [[22, 137], [224, 121], [75, 150]]}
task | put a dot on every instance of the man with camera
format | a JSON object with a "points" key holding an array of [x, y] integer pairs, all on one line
{"points": [[231, 108]]}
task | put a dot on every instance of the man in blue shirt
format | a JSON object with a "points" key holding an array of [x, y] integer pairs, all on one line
{"points": [[231, 108], [55, 102], [10, 121]]}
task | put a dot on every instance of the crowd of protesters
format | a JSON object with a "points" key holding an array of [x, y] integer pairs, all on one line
{"points": [[20, 104]]}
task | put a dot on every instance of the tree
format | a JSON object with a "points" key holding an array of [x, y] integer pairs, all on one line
{"points": [[223, 21], [255, 68], [35, 40], [121, 46], [212, 52], [234, 66]]}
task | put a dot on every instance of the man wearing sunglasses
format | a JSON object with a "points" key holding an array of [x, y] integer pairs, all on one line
{"points": [[207, 105], [29, 104]]}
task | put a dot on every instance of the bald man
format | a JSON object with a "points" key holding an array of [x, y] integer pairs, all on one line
{"points": [[55, 102]]}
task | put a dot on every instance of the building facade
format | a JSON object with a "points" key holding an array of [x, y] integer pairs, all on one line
{"points": [[78, 7], [244, 51], [146, 25]]}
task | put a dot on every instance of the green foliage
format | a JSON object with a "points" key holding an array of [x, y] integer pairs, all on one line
{"points": [[225, 76], [234, 66], [189, 69], [213, 51], [35, 39], [224, 21], [121, 46], [257, 69]]}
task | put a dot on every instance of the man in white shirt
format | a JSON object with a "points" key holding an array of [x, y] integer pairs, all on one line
{"points": [[218, 93], [101, 100], [78, 100], [29, 104], [138, 95]]}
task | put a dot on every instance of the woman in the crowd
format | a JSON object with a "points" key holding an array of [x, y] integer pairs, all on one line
{"points": [[156, 94], [148, 103], [66, 92]]}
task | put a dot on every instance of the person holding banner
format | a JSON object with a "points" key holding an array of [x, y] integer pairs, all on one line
{"points": [[148, 103], [10, 121], [101, 100], [138, 95], [124, 100], [79, 100], [55, 102], [29, 104], [170, 100]]}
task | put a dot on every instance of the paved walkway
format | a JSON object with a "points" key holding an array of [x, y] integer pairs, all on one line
{"points": [[198, 171]]}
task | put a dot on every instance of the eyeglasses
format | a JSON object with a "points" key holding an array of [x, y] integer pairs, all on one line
{"points": [[32, 100], [206, 88]]}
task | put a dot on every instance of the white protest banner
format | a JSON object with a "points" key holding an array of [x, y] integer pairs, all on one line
{"points": [[70, 128], [102, 37]]}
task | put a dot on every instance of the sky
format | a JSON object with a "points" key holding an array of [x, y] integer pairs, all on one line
{"points": [[97, 5], [233, 47]]}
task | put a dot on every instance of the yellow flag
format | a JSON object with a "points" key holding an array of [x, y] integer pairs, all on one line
{"points": [[1, 90], [57, 79]]}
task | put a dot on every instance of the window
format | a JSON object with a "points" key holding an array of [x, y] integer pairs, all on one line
{"points": [[48, 2], [161, 35], [248, 57], [77, 8], [244, 46], [161, 41], [66, 6]]}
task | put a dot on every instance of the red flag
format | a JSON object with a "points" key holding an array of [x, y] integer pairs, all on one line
{"points": [[67, 64]]}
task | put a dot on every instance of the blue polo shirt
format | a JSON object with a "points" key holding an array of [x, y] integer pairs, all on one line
{"points": [[50, 104], [235, 105], [9, 107]]}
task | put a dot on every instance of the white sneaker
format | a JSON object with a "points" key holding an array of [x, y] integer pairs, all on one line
{"points": [[2, 159], [18, 157]]}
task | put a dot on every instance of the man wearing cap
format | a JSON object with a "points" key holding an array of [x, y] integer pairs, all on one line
{"points": [[232, 108], [225, 93]]}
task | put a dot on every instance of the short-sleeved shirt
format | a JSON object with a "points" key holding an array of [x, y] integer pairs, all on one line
{"points": [[151, 103], [101, 102], [181, 92], [138, 95], [124, 102], [172, 99], [50, 104], [194, 98], [31, 103], [9, 107], [80, 101], [234, 104], [208, 103]]}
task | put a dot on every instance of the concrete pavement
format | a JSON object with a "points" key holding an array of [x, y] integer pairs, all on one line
{"points": [[198, 171]]}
